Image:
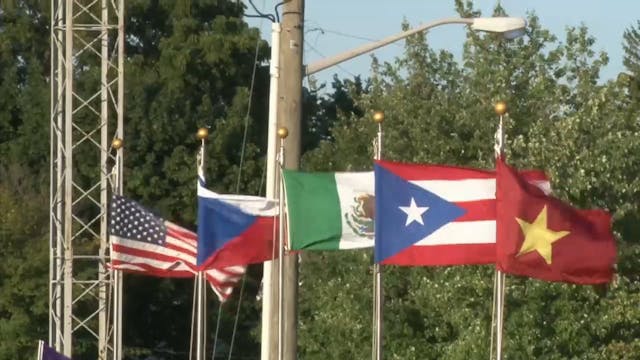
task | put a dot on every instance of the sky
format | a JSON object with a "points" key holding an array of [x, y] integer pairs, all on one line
{"points": [[335, 26]]}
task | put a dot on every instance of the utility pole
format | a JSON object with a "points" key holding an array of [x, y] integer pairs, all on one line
{"points": [[289, 115]]}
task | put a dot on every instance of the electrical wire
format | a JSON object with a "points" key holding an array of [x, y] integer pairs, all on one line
{"points": [[312, 48], [275, 9], [235, 323], [323, 31], [242, 155], [260, 13], [246, 118], [215, 343]]}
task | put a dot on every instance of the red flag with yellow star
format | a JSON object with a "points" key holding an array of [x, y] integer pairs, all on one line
{"points": [[541, 237]]}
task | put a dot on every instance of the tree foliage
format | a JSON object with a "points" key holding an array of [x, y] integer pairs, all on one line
{"points": [[191, 68], [24, 109], [190, 63], [562, 119], [24, 267]]}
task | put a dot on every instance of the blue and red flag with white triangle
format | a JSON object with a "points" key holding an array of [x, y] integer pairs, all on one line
{"points": [[235, 229]]}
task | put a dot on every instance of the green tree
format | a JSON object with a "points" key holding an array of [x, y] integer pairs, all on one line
{"points": [[321, 109], [24, 267], [24, 109], [631, 58], [24, 103], [561, 119], [189, 64]]}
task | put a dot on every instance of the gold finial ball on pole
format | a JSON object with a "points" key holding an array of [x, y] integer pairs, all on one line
{"points": [[202, 133], [378, 117], [117, 143], [283, 132], [500, 108]]}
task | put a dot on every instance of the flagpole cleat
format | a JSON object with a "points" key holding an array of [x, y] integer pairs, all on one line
{"points": [[378, 117], [500, 108], [202, 133]]}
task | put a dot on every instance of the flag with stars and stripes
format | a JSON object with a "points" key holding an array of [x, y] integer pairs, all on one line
{"points": [[142, 242]]}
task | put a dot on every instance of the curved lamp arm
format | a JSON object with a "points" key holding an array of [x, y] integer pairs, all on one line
{"points": [[508, 26]]}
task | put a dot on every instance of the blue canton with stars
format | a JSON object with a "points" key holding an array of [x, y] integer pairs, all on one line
{"points": [[394, 230], [131, 221]]}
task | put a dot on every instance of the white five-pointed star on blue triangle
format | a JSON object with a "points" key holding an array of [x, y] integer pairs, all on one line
{"points": [[414, 212]]}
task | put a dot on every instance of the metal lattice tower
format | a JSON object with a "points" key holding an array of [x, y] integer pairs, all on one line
{"points": [[87, 91]]}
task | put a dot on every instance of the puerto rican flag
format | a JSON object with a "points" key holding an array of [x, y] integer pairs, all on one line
{"points": [[235, 229], [437, 215]]}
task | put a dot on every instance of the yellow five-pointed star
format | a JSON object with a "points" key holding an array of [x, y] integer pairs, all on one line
{"points": [[537, 237]]}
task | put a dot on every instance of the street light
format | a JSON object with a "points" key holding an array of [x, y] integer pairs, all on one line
{"points": [[509, 27]]}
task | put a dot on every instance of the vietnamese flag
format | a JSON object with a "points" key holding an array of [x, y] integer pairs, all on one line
{"points": [[541, 237]]}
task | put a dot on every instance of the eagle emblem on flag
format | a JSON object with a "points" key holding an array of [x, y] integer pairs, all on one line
{"points": [[361, 214]]}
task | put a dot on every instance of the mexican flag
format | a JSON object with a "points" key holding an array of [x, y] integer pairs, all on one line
{"points": [[329, 211]]}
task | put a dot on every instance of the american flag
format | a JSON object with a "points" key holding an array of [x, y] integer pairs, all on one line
{"points": [[142, 242]]}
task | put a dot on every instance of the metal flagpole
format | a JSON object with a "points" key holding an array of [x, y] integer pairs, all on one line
{"points": [[199, 316], [378, 118], [493, 315], [198, 347], [117, 145], [40, 349], [499, 305], [117, 295], [282, 134], [499, 288], [267, 274], [199, 280]]}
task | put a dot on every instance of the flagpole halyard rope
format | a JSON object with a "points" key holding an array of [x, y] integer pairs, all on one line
{"points": [[235, 322], [246, 118], [215, 336]]}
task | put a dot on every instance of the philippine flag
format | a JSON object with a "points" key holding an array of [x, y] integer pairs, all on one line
{"points": [[235, 229], [437, 215]]}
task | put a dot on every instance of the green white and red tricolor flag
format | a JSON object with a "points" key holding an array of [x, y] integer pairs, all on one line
{"points": [[329, 210]]}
